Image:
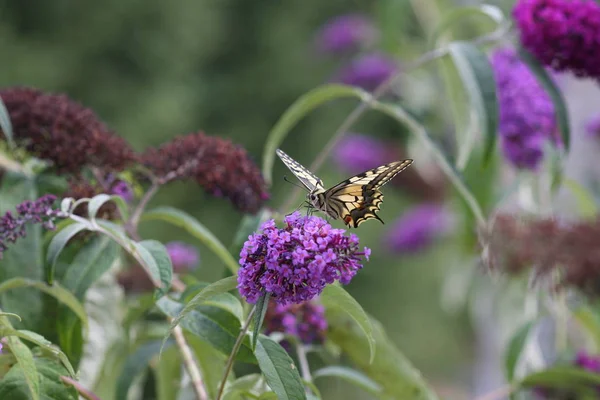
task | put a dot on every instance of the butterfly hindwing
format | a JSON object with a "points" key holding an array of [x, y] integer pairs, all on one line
{"points": [[307, 178], [358, 198]]}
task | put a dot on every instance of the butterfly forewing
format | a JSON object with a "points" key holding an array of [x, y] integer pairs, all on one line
{"points": [[307, 178]]}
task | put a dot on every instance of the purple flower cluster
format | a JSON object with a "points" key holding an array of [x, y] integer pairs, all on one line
{"points": [[39, 211], [346, 33], [527, 116], [563, 34], [356, 153], [183, 256], [305, 321], [368, 71], [295, 263], [418, 228]]}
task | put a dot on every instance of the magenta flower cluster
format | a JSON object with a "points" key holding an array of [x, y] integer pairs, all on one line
{"points": [[418, 227], [40, 211], [527, 118], [346, 33], [183, 256], [562, 34], [305, 321], [295, 263]]}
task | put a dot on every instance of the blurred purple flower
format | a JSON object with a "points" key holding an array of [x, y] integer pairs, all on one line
{"points": [[417, 228], [588, 362], [39, 211], [183, 256], [346, 33], [296, 262], [305, 321], [121, 188], [368, 71], [592, 126], [356, 153], [563, 34], [527, 117]]}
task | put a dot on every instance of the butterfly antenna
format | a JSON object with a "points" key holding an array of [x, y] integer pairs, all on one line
{"points": [[293, 183]]}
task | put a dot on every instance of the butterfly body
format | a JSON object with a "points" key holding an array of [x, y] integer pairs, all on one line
{"points": [[354, 200]]}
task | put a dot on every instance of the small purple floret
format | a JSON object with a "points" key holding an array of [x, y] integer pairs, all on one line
{"points": [[296, 262]]}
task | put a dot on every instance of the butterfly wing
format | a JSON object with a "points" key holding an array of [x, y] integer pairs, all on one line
{"points": [[357, 199], [307, 178]]}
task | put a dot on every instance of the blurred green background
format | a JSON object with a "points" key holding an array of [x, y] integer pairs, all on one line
{"points": [[154, 69]]}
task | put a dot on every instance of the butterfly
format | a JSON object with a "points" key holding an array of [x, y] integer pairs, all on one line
{"points": [[354, 200]]}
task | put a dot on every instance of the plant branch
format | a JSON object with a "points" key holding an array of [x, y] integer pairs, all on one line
{"points": [[190, 364], [304, 367], [132, 224], [83, 392], [382, 89], [236, 348]]}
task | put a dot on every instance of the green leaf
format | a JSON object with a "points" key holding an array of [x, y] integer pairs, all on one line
{"points": [[553, 91], [26, 366], [5, 124], [135, 364], [23, 258], [211, 363], [562, 377], [14, 387], [279, 369], [226, 301], [168, 374], [196, 229], [515, 348], [260, 309], [96, 202], [218, 287], [58, 243], [211, 324], [351, 376], [248, 225], [390, 368], [43, 343], [90, 263], [244, 384], [163, 263], [335, 297], [477, 77], [590, 321], [400, 115], [586, 205], [457, 15], [298, 110], [55, 290]]}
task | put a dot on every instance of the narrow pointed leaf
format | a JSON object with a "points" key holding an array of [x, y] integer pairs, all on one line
{"points": [[560, 108], [515, 349], [298, 110], [27, 365], [58, 243], [163, 263], [335, 297], [196, 229], [5, 124], [260, 309], [477, 77], [351, 376], [279, 369]]}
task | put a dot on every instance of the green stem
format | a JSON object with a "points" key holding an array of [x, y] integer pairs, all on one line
{"points": [[234, 351]]}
